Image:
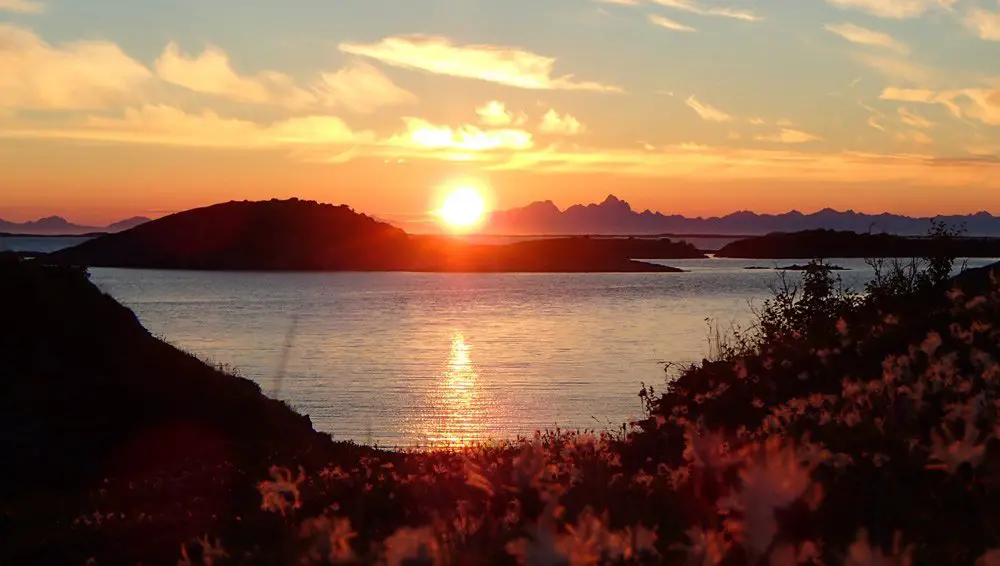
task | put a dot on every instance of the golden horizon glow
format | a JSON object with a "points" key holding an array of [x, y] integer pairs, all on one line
{"points": [[463, 208]]}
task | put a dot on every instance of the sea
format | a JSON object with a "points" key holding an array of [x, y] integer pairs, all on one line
{"points": [[413, 360]]}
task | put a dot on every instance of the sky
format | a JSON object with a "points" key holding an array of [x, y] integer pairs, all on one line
{"points": [[115, 108]]}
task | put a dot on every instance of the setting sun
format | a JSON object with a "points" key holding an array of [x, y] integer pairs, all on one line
{"points": [[463, 208]]}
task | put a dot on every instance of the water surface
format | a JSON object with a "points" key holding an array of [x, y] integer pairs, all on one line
{"points": [[424, 359]]}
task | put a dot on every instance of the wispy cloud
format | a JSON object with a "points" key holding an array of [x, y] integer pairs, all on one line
{"points": [[495, 114], [80, 75], [166, 125], [707, 111], [22, 6], [211, 73], [900, 70], [913, 119], [694, 7], [504, 65], [787, 135], [361, 88], [864, 36], [554, 123], [895, 9], [873, 122], [667, 23], [985, 23], [914, 136], [977, 103]]}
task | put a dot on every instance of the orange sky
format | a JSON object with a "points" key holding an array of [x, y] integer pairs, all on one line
{"points": [[682, 106]]}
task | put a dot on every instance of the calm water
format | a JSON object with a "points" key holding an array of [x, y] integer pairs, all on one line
{"points": [[409, 359]]}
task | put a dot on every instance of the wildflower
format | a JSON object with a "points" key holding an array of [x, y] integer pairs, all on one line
{"points": [[475, 478], [952, 453], [282, 494], [860, 553], [333, 538], [210, 553], [774, 479], [408, 544], [708, 548], [931, 343]]}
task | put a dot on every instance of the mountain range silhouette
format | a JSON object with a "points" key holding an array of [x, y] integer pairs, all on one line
{"points": [[59, 226], [616, 216]]}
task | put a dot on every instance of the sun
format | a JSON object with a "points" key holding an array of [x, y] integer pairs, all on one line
{"points": [[463, 208]]}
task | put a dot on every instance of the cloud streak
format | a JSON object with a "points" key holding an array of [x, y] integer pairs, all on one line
{"points": [[864, 36], [510, 66], [707, 112], [894, 9], [693, 7], [667, 23]]}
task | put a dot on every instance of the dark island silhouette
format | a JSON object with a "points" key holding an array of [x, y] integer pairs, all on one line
{"points": [[831, 243], [298, 235]]}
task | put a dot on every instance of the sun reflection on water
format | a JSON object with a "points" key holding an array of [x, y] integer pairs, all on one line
{"points": [[457, 418]]}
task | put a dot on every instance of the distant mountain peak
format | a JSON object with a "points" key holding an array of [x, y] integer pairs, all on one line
{"points": [[59, 226], [615, 216]]}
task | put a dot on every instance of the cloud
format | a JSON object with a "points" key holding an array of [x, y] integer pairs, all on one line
{"points": [[757, 121], [22, 6], [706, 111], [509, 66], [565, 124], [495, 114], [978, 103], [898, 69], [986, 24], [361, 88], [693, 7], [913, 119], [873, 122], [421, 134], [914, 136], [894, 9], [211, 73], [865, 36], [80, 75], [167, 125], [787, 135], [667, 23]]}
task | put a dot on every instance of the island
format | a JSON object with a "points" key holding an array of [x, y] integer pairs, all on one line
{"points": [[298, 235], [845, 244]]}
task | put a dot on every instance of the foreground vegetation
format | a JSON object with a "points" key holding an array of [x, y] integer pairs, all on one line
{"points": [[842, 429]]}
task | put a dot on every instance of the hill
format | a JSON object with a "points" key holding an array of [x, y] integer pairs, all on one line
{"points": [[90, 401], [59, 226], [830, 243], [308, 236], [615, 216]]}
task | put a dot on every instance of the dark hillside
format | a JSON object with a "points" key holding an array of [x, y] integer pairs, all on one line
{"points": [[88, 396]]}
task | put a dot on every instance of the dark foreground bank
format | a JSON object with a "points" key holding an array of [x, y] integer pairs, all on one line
{"points": [[844, 431]]}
